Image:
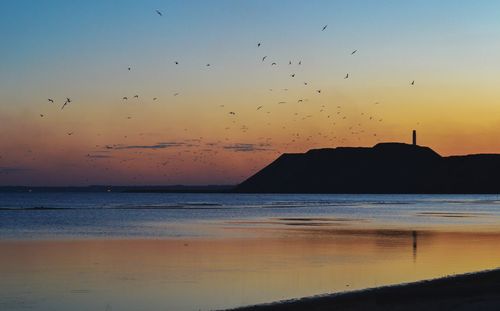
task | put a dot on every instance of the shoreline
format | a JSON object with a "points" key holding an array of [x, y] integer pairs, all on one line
{"points": [[469, 291]]}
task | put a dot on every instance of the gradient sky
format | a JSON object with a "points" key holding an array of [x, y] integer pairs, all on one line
{"points": [[82, 49]]}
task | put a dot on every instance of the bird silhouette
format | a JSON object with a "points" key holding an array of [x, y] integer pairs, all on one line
{"points": [[346, 76], [68, 100], [232, 113], [354, 52], [292, 75], [258, 44], [51, 100], [324, 27], [412, 82], [176, 62], [273, 64], [264, 58], [41, 115], [129, 68], [136, 96], [159, 13], [125, 98], [259, 107]]}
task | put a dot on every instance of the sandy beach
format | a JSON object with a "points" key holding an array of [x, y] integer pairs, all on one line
{"points": [[474, 291]]}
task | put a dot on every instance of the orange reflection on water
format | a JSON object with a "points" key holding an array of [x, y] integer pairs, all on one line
{"points": [[220, 273]]}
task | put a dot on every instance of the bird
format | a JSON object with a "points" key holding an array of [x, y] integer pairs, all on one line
{"points": [[176, 62], [273, 64], [346, 76], [51, 100], [69, 134], [258, 44], [175, 94], [412, 82], [136, 96], [354, 52], [264, 58], [124, 98], [259, 107], [305, 83], [129, 68], [68, 100], [289, 62], [155, 98], [324, 27], [292, 75], [159, 13], [231, 112], [41, 115], [300, 62], [208, 65], [319, 91]]}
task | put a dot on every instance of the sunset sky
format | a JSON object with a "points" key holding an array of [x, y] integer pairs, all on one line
{"points": [[188, 135]]}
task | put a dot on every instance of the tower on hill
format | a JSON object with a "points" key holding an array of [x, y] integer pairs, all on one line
{"points": [[414, 137]]}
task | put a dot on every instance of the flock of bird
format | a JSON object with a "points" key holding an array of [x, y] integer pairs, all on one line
{"points": [[206, 150]]}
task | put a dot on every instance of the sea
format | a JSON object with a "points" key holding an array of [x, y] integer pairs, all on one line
{"points": [[181, 251]]}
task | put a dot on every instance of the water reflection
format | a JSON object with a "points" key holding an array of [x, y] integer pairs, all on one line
{"points": [[220, 273]]}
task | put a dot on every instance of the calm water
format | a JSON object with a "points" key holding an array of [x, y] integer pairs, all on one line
{"points": [[104, 215], [118, 251]]}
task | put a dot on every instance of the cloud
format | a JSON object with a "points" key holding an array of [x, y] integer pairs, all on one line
{"points": [[248, 147], [98, 156], [161, 145], [13, 170]]}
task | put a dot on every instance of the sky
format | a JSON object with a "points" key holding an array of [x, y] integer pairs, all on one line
{"points": [[196, 124]]}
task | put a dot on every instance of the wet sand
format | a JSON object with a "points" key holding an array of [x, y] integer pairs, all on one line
{"points": [[475, 291]]}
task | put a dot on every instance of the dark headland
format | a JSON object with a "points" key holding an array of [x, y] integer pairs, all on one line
{"points": [[383, 168]]}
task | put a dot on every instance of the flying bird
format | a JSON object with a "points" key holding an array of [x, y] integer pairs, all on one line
{"points": [[51, 100], [258, 44], [69, 134], [175, 94], [128, 68], [273, 64], [264, 58], [41, 115], [292, 75], [354, 52], [319, 91], [346, 76], [136, 96], [233, 113], [259, 107], [208, 65], [159, 13], [155, 98], [300, 62], [324, 27], [68, 100], [125, 98], [412, 82], [176, 62]]}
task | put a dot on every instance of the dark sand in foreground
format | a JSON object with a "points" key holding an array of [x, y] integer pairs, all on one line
{"points": [[477, 291]]}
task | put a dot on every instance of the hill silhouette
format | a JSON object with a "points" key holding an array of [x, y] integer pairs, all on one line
{"points": [[384, 168]]}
